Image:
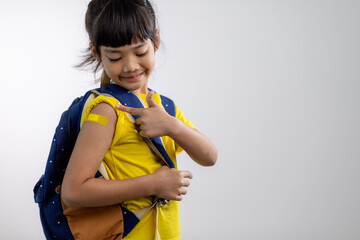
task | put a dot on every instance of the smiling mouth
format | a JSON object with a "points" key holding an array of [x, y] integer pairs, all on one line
{"points": [[134, 77]]}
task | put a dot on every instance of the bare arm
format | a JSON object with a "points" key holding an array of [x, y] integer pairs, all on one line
{"points": [[81, 189], [197, 145], [155, 121]]}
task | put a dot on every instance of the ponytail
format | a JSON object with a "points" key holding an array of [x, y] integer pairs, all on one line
{"points": [[105, 80]]}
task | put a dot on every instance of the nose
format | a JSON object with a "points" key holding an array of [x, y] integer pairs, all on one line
{"points": [[130, 65]]}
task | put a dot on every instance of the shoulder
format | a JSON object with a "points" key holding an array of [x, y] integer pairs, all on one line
{"points": [[103, 100], [169, 105], [101, 105], [104, 108]]}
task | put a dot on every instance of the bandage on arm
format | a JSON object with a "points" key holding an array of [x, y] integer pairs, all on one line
{"points": [[100, 119]]}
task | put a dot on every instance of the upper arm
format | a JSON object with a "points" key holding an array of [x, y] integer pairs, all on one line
{"points": [[92, 143]]}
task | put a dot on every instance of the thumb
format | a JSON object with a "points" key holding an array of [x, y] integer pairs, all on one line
{"points": [[150, 100]]}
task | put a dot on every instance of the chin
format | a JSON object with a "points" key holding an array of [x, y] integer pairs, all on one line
{"points": [[138, 88]]}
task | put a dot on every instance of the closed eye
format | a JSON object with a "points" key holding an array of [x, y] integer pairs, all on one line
{"points": [[142, 54], [114, 59]]}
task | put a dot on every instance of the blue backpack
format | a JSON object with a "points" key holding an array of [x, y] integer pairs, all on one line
{"points": [[46, 194]]}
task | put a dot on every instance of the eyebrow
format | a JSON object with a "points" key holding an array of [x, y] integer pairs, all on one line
{"points": [[113, 50]]}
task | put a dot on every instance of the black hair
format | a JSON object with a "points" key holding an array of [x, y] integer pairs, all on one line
{"points": [[115, 23]]}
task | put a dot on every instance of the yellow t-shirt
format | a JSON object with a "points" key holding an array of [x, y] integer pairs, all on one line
{"points": [[129, 156]]}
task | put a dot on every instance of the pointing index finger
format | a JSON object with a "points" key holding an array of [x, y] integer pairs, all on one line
{"points": [[130, 110]]}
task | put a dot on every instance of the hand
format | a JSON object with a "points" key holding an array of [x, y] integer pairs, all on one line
{"points": [[171, 183], [153, 121]]}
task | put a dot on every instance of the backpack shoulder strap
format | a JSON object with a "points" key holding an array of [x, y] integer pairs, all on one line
{"points": [[128, 98], [168, 104]]}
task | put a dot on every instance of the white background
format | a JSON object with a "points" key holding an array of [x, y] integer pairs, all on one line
{"points": [[274, 83]]}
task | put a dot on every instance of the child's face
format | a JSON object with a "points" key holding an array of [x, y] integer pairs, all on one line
{"points": [[131, 65]]}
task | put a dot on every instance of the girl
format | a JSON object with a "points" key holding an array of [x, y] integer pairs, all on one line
{"points": [[123, 41]]}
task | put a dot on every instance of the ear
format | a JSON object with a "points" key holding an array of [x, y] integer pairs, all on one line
{"points": [[93, 52], [157, 39]]}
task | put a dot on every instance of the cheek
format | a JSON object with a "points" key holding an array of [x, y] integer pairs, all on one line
{"points": [[150, 63], [110, 70]]}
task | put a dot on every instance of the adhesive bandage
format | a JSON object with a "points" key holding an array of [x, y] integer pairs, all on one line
{"points": [[97, 119]]}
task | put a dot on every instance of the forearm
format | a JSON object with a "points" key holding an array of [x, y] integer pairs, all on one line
{"points": [[155, 122], [97, 192], [196, 145]]}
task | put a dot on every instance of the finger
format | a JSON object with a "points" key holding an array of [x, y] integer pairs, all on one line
{"points": [[143, 134], [187, 174], [130, 110], [183, 191], [150, 100], [138, 121], [178, 198], [185, 183]]}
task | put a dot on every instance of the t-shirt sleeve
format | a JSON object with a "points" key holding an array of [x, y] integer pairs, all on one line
{"points": [[112, 102], [99, 99], [179, 115]]}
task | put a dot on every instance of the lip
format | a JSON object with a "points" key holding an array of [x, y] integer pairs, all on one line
{"points": [[134, 77]]}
